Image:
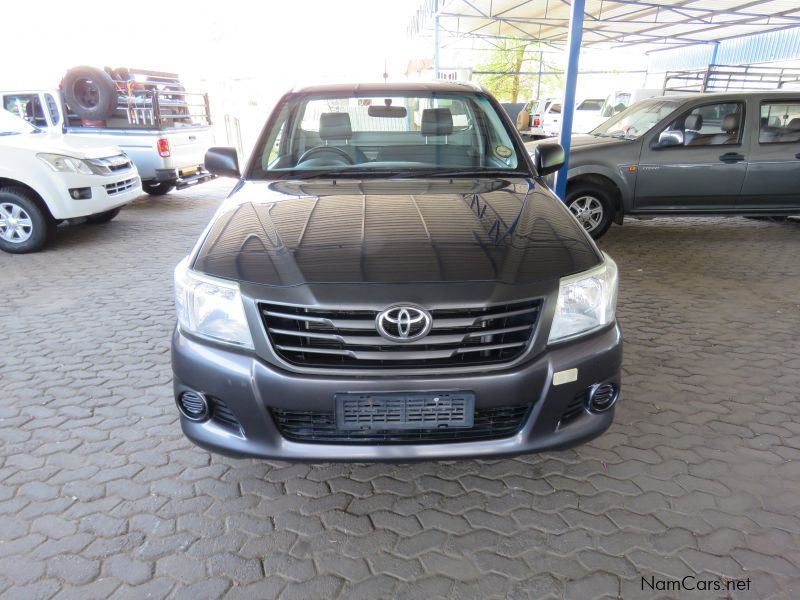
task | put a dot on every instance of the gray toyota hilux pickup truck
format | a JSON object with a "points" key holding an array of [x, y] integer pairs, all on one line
{"points": [[699, 154], [390, 279]]}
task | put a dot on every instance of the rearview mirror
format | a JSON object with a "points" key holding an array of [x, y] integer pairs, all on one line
{"points": [[387, 112], [670, 137], [548, 158], [223, 161]]}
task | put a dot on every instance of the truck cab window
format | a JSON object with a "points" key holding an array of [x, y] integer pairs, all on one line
{"points": [[780, 122], [718, 124], [27, 106]]}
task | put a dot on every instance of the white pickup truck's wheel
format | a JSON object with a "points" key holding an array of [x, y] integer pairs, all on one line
{"points": [[592, 208], [23, 225], [160, 188]]}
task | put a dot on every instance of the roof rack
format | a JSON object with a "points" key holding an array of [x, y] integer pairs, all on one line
{"points": [[723, 78]]}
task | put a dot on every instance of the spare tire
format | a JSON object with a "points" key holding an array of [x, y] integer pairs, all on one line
{"points": [[89, 93], [523, 120]]}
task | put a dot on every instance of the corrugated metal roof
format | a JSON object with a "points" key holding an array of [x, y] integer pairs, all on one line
{"points": [[615, 23], [766, 47]]}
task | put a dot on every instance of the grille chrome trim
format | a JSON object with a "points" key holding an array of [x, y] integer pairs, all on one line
{"points": [[341, 338]]}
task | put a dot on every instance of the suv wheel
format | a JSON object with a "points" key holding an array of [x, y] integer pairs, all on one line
{"points": [[24, 226], [593, 209]]}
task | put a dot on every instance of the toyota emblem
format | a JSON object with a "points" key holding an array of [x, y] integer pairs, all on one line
{"points": [[404, 323]]}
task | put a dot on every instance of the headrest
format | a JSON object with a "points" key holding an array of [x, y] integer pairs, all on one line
{"points": [[694, 122], [437, 121], [794, 124], [335, 126], [774, 122], [730, 123]]}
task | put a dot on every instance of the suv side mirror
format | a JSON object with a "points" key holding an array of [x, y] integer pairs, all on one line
{"points": [[548, 158], [669, 138], [223, 161]]}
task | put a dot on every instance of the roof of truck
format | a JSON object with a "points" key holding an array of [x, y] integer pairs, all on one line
{"points": [[729, 95], [382, 88]]}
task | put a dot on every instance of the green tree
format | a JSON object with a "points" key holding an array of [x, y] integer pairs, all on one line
{"points": [[513, 67]]}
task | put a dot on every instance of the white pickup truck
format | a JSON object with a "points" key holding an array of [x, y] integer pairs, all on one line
{"points": [[46, 178], [542, 118], [162, 128]]}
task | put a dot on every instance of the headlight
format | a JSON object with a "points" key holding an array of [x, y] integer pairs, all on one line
{"points": [[585, 302], [65, 164], [209, 307]]}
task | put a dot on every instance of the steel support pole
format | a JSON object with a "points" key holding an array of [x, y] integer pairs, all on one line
{"points": [[436, 39], [568, 105], [714, 54]]}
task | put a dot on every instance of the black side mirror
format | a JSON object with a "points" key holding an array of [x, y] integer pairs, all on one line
{"points": [[548, 158], [223, 161]]}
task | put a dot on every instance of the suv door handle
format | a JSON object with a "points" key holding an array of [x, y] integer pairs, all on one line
{"points": [[731, 157], [797, 156]]}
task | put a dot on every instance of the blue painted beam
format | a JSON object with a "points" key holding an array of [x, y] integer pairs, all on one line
{"points": [[568, 106]]}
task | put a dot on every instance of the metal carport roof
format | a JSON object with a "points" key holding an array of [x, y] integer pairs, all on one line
{"points": [[610, 23], [645, 24]]}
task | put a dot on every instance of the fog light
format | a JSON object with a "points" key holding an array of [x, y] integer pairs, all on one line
{"points": [[194, 406], [602, 397], [80, 193]]}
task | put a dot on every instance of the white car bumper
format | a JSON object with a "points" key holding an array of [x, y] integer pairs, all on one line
{"points": [[95, 193]]}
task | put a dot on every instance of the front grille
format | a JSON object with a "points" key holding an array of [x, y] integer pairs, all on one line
{"points": [[111, 164], [121, 186], [320, 427], [313, 337]]}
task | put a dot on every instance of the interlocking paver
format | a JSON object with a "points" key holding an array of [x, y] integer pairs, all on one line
{"points": [[101, 496]]}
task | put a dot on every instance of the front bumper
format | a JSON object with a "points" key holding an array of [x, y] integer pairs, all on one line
{"points": [[250, 387], [107, 193]]}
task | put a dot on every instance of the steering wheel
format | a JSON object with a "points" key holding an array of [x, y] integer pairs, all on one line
{"points": [[319, 149]]}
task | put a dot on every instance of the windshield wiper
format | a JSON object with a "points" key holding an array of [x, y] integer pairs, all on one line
{"points": [[399, 174], [616, 136], [476, 173], [335, 174]]}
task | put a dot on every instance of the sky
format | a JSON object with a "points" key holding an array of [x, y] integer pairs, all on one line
{"points": [[282, 41]]}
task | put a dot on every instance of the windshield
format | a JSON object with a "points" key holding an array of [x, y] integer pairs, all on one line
{"points": [[637, 119], [11, 124], [424, 133], [595, 104]]}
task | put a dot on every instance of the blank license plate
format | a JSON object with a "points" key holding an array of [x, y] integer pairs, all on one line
{"points": [[410, 410]]}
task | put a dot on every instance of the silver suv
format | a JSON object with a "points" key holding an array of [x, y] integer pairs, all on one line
{"points": [[700, 154]]}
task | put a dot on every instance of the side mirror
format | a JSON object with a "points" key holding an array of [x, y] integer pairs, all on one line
{"points": [[223, 161], [669, 138], [548, 158]]}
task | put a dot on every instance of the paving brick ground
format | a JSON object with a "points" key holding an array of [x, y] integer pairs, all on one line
{"points": [[100, 495]]}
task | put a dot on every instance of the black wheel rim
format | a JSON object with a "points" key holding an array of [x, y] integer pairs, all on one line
{"points": [[86, 93]]}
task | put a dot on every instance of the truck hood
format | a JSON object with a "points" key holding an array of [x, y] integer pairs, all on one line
{"points": [[58, 143], [285, 233]]}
